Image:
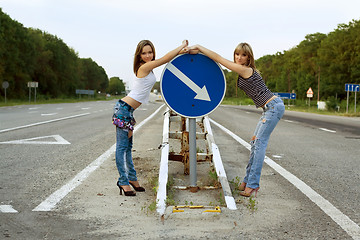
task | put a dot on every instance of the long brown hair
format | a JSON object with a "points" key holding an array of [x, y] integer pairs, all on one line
{"points": [[137, 57], [246, 48]]}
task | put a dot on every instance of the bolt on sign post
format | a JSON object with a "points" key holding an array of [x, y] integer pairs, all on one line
{"points": [[309, 94], [5, 85], [351, 88], [192, 86]]}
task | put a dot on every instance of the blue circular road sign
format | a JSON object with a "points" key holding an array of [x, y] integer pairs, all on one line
{"points": [[192, 85]]}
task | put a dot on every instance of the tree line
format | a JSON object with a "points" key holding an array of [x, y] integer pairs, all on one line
{"points": [[28, 55], [324, 62]]}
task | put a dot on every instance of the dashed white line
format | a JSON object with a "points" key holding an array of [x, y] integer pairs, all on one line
{"points": [[341, 219], [327, 130], [48, 114]]}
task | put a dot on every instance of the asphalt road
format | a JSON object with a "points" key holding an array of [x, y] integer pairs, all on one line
{"points": [[322, 151], [42, 147]]}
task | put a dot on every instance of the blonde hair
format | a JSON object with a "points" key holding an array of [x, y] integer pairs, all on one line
{"points": [[246, 48], [137, 56]]}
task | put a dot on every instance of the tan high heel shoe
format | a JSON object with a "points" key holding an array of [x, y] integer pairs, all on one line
{"points": [[242, 186], [249, 191]]}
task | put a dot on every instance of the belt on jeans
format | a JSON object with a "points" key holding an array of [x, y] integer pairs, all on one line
{"points": [[268, 101]]}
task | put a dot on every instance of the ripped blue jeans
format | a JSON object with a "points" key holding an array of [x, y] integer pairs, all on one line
{"points": [[272, 114]]}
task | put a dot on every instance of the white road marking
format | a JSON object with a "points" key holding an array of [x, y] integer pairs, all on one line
{"points": [[49, 203], [341, 219], [289, 121], [7, 209], [327, 130], [39, 123], [58, 140], [48, 114]]}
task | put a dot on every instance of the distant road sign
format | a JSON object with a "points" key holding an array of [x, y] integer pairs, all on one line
{"points": [[5, 84], [309, 93], [86, 92], [352, 87], [33, 84], [193, 85], [286, 95]]}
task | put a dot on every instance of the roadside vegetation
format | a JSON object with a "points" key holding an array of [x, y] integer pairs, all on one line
{"points": [[32, 55], [324, 62]]}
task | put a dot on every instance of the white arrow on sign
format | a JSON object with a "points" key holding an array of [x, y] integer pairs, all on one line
{"points": [[58, 140], [201, 93]]}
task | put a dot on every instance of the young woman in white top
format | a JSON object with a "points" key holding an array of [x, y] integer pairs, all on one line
{"points": [[144, 63]]}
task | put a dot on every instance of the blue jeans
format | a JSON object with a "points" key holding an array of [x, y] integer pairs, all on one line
{"points": [[123, 156], [273, 112]]}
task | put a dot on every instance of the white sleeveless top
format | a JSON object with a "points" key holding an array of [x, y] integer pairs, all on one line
{"points": [[141, 88]]}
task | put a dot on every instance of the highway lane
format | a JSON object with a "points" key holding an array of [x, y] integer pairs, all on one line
{"points": [[347, 126], [29, 173], [327, 161], [31, 170]]}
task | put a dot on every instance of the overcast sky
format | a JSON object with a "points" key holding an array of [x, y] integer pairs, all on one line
{"points": [[108, 30]]}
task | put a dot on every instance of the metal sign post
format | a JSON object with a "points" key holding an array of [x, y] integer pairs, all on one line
{"points": [[32, 85], [309, 94], [5, 85], [351, 88], [192, 152], [192, 86]]}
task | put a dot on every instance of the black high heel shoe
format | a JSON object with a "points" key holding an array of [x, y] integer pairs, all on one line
{"points": [[127, 193], [138, 189]]}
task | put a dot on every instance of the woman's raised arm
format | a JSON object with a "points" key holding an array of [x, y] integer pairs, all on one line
{"points": [[146, 68], [240, 69]]}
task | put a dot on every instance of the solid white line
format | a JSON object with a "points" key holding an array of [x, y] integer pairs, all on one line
{"points": [[7, 209], [327, 130], [341, 219], [39, 123], [49, 203]]}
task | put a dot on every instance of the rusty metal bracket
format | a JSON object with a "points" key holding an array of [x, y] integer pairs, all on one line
{"points": [[183, 136]]}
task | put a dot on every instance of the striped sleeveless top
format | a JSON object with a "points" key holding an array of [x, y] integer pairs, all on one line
{"points": [[255, 88]]}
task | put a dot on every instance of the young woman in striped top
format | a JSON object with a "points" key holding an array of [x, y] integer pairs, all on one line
{"points": [[251, 82]]}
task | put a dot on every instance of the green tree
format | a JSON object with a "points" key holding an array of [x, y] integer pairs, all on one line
{"points": [[116, 86], [33, 55]]}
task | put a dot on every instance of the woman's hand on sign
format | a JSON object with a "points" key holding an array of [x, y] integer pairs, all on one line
{"points": [[194, 49]]}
